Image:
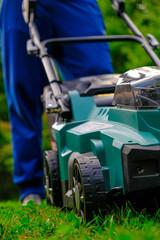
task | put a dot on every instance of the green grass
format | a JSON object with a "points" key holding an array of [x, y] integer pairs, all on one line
{"points": [[45, 222]]}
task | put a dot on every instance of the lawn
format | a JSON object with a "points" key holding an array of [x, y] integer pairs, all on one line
{"points": [[45, 222]]}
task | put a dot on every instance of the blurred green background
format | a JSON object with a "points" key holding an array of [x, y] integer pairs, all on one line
{"points": [[125, 56]]}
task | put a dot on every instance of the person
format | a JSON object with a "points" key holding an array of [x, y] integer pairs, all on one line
{"points": [[24, 76]]}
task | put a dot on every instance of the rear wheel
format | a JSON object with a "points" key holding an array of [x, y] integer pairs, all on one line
{"points": [[52, 183], [88, 189]]}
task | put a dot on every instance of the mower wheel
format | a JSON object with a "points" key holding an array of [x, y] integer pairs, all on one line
{"points": [[52, 182], [88, 189]]}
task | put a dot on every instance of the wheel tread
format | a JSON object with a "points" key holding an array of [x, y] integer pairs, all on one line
{"points": [[93, 184]]}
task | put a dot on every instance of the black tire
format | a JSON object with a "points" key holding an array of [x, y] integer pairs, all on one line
{"points": [[52, 182], [88, 189]]}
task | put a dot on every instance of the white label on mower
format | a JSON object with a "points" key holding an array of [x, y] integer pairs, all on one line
{"points": [[91, 127]]}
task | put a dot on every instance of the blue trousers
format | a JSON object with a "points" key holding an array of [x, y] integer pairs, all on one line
{"points": [[24, 76]]}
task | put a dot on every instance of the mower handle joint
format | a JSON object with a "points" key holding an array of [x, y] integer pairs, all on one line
{"points": [[119, 6]]}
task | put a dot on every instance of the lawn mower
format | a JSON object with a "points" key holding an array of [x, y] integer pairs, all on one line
{"points": [[107, 127]]}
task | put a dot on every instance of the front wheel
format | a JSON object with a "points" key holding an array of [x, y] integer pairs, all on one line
{"points": [[88, 189]]}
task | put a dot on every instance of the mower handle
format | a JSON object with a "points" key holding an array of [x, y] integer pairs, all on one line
{"points": [[29, 14], [144, 43]]}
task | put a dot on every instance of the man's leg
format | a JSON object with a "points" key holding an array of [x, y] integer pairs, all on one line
{"points": [[24, 80]]}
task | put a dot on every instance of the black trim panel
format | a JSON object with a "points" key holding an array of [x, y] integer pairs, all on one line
{"points": [[141, 167]]}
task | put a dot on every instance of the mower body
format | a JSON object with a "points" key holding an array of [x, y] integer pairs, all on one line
{"points": [[108, 128], [125, 139]]}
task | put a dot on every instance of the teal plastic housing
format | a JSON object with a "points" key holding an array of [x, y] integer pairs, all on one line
{"points": [[104, 131]]}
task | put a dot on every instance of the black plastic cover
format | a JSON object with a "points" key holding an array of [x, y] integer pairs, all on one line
{"points": [[141, 167]]}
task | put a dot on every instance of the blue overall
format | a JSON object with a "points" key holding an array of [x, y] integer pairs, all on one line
{"points": [[24, 76]]}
